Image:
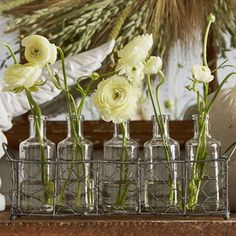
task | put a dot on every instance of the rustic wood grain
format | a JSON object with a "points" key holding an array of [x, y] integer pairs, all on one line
{"points": [[117, 226], [98, 131]]}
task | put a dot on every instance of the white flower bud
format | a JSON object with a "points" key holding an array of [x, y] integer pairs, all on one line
{"points": [[211, 18], [202, 74], [153, 65], [136, 50]]}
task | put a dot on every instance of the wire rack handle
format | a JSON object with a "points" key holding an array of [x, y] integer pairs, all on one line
{"points": [[230, 151], [8, 152]]}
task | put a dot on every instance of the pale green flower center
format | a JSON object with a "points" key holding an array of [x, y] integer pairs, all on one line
{"points": [[116, 95], [35, 52]]}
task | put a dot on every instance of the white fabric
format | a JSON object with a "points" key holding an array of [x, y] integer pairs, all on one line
{"points": [[2, 202], [2, 199], [2, 140], [13, 105]]}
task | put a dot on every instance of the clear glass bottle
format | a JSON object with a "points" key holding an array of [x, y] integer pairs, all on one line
{"points": [[160, 190], [203, 179], [119, 178], [75, 181], [36, 170]]}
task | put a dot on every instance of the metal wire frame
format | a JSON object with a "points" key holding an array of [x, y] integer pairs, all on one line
{"points": [[96, 167]]}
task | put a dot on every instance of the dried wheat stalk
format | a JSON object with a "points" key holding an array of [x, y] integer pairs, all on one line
{"points": [[82, 24], [13, 4]]}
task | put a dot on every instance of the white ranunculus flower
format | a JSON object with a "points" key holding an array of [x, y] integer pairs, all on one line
{"points": [[202, 74], [136, 50], [18, 75], [133, 73], [115, 99], [39, 51], [153, 65]]}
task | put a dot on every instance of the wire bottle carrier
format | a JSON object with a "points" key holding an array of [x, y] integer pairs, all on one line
{"points": [[144, 192]]}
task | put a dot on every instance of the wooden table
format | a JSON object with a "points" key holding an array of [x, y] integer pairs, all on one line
{"points": [[117, 225]]}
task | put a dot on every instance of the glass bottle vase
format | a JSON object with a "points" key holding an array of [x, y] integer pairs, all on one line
{"points": [[160, 170], [120, 172], [75, 181], [36, 171], [203, 171]]}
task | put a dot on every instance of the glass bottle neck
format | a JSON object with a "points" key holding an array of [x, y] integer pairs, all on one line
{"points": [[201, 126], [121, 129], [75, 127], [161, 126], [37, 127]]}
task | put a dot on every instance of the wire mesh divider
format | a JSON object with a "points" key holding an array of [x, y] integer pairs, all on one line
{"points": [[144, 193]]}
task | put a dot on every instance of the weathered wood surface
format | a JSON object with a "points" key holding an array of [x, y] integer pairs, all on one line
{"points": [[117, 226], [98, 131]]}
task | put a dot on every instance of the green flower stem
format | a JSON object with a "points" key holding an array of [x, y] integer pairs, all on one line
{"points": [[123, 186], [63, 67], [164, 138], [218, 90], [79, 152], [205, 44], [78, 113], [66, 182], [78, 194], [151, 96], [11, 52], [162, 80], [124, 193], [84, 95], [198, 101], [54, 79], [75, 152], [81, 105], [107, 75], [77, 147], [210, 19], [48, 188], [206, 89], [198, 169], [160, 123]]}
